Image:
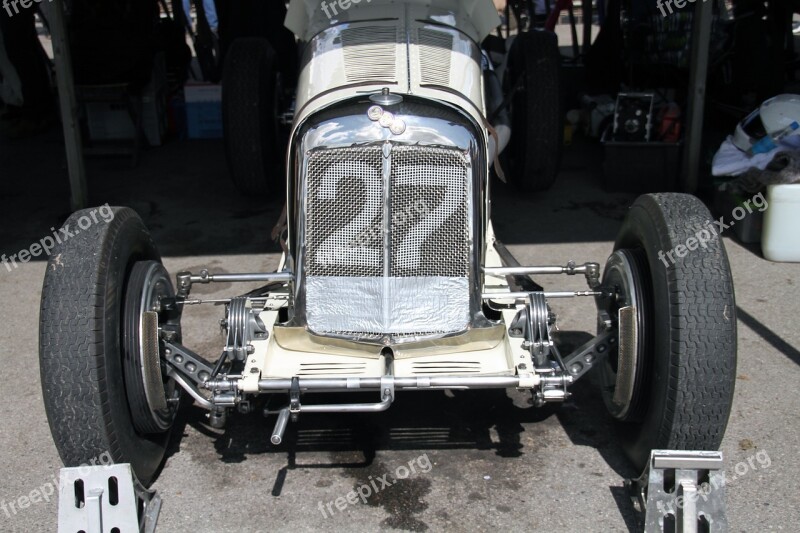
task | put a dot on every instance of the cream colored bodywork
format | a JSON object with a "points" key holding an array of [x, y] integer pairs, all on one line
{"points": [[290, 352], [428, 49], [477, 18], [413, 48]]}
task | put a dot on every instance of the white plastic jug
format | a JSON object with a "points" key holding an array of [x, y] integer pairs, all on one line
{"points": [[780, 240]]}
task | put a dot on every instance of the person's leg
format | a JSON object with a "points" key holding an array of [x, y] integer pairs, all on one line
{"points": [[211, 14], [10, 84], [25, 53], [552, 20], [187, 11]]}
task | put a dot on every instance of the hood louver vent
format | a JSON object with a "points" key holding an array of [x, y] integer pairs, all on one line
{"points": [[327, 369], [446, 367], [370, 54], [435, 50]]}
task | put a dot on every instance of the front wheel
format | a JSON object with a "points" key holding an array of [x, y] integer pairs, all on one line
{"points": [[104, 389], [671, 384]]}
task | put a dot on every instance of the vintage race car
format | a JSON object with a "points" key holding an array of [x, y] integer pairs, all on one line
{"points": [[392, 278]]}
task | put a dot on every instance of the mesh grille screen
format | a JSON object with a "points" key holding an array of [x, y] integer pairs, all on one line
{"points": [[350, 289], [344, 212], [430, 236]]}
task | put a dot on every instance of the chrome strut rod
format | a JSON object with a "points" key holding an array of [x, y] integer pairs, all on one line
{"points": [[185, 279], [283, 414], [570, 269], [218, 301], [369, 384], [524, 295], [188, 387], [534, 270], [206, 277], [590, 270]]}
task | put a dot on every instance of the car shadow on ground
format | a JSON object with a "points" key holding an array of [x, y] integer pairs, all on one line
{"points": [[791, 353], [474, 422]]}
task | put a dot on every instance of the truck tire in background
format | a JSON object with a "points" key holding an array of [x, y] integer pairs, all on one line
{"points": [[250, 96], [537, 110]]}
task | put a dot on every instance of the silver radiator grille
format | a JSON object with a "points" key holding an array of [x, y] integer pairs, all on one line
{"points": [[387, 260]]}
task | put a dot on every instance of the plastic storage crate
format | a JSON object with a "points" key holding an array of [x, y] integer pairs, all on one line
{"points": [[781, 240], [203, 111]]}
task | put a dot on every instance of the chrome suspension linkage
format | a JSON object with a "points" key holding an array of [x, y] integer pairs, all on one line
{"points": [[590, 270], [295, 407], [185, 279]]}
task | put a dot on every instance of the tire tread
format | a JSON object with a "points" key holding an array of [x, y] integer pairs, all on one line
{"points": [[72, 329], [702, 323]]}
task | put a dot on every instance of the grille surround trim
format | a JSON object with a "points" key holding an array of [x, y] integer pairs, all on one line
{"points": [[429, 123]]}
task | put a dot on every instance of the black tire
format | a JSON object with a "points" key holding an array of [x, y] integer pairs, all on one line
{"points": [[537, 110], [256, 18], [690, 327], [80, 354], [249, 106]]}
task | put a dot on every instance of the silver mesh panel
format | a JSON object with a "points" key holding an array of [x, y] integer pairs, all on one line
{"points": [[430, 236], [344, 212], [350, 289]]}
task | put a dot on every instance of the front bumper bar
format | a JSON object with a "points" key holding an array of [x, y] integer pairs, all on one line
{"points": [[373, 384], [387, 385]]}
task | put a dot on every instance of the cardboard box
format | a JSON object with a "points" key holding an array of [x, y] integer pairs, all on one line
{"points": [[111, 122]]}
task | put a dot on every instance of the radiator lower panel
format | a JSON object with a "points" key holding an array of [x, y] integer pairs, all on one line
{"points": [[387, 306]]}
